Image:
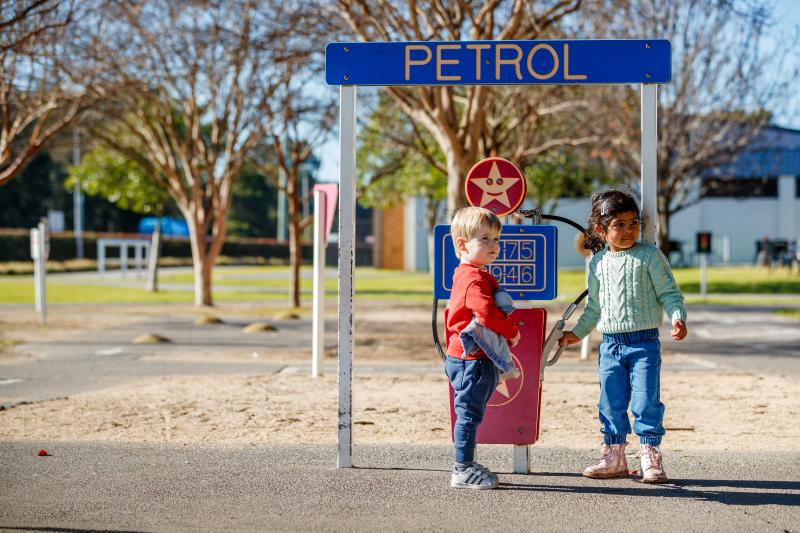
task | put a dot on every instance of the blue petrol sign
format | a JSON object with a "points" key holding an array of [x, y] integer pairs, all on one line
{"points": [[525, 267], [499, 62]]}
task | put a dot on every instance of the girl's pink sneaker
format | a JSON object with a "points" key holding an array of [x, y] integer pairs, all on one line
{"points": [[613, 464]]}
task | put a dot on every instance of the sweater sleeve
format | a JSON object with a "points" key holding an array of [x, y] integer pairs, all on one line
{"points": [[480, 301], [591, 312], [667, 291]]}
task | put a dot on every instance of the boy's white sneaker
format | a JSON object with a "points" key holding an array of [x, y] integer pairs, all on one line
{"points": [[475, 477], [652, 468], [613, 464]]}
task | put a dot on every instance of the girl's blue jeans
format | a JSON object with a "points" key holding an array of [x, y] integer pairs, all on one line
{"points": [[473, 383], [630, 373]]}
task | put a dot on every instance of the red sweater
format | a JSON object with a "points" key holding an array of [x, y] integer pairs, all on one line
{"points": [[473, 294]]}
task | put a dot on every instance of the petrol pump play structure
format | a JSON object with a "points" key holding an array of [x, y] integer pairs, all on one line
{"points": [[645, 62], [525, 267]]}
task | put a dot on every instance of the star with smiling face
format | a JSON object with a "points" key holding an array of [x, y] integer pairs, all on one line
{"points": [[495, 186]]}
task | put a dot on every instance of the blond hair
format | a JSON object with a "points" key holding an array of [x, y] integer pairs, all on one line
{"points": [[468, 221]]}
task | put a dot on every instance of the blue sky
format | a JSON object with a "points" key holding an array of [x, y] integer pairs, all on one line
{"points": [[787, 16]]}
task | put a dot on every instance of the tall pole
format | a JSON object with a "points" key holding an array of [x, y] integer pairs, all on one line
{"points": [[282, 207], [318, 322], [347, 238], [305, 177], [40, 249], [77, 196], [649, 183]]}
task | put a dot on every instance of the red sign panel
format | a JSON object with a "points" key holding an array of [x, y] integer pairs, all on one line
{"points": [[497, 185], [512, 414]]}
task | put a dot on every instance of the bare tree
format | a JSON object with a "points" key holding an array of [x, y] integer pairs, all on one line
{"points": [[466, 122], [295, 121], [41, 92], [22, 21], [194, 77], [725, 82]]}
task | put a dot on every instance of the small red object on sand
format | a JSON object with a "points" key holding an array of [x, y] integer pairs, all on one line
{"points": [[43, 453], [634, 472]]}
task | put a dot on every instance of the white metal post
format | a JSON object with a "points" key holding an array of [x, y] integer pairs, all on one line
{"points": [[703, 274], [123, 259], [39, 252], [77, 196], [522, 459], [347, 237], [649, 139], [318, 322], [36, 250], [137, 258], [101, 256], [585, 340], [283, 230]]}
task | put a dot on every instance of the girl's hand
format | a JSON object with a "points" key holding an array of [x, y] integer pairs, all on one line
{"points": [[568, 338], [678, 329], [515, 340]]}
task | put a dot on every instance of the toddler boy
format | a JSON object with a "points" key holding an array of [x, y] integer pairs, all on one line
{"points": [[473, 376]]}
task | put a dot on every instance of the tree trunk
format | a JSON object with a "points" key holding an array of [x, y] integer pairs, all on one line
{"points": [[662, 230], [155, 251], [201, 266], [457, 169], [295, 247]]}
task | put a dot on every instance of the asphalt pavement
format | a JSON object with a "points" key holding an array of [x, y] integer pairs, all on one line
{"points": [[104, 487], [122, 487]]}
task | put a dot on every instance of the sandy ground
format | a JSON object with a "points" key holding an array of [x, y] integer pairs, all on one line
{"points": [[719, 410], [738, 411]]}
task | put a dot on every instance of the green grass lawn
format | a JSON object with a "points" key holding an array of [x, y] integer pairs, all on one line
{"points": [[792, 313], [270, 283], [729, 280]]}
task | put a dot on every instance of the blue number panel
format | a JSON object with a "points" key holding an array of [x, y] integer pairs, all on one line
{"points": [[526, 266]]}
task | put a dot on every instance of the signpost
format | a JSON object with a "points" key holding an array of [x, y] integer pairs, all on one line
{"points": [[631, 61], [324, 210], [703, 248], [40, 250]]}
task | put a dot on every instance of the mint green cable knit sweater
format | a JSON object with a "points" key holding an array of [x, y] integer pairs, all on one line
{"points": [[629, 291]]}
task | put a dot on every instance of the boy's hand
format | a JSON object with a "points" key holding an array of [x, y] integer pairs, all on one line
{"points": [[568, 338], [511, 374], [678, 329], [515, 340]]}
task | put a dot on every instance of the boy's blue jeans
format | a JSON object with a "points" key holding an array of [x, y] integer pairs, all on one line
{"points": [[630, 373], [473, 383]]}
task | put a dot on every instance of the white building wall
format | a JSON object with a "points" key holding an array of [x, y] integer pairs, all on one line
{"points": [[787, 199], [740, 222]]}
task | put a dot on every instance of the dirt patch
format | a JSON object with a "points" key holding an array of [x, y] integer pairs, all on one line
{"points": [[706, 409], [749, 412]]}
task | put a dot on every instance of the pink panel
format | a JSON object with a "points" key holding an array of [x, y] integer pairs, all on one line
{"points": [[512, 415], [331, 191]]}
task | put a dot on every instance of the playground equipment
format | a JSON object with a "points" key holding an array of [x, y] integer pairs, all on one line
{"points": [[526, 269], [645, 62]]}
